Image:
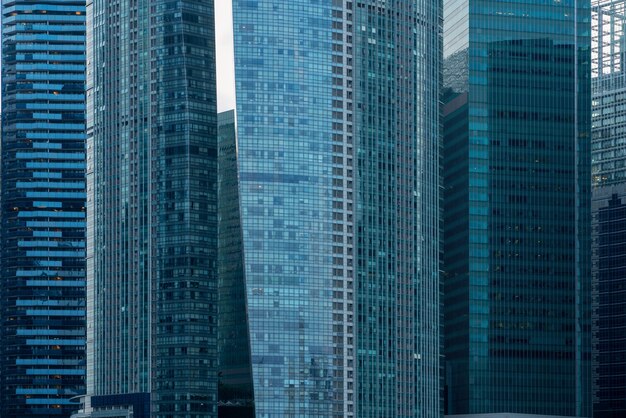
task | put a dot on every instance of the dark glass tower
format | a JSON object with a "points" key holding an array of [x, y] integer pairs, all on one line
{"points": [[42, 276], [152, 198], [338, 157], [517, 207], [609, 256], [235, 379]]}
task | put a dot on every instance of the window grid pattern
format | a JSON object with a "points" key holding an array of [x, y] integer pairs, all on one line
{"points": [[397, 71], [119, 236], [300, 70], [152, 179], [42, 294], [608, 209], [527, 271], [295, 162], [608, 149]]}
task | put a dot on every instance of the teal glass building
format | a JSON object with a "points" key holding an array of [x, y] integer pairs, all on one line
{"points": [[338, 158], [152, 205], [608, 207], [42, 254], [517, 277]]}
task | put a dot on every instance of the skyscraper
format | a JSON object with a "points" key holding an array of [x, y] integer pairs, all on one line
{"points": [[609, 206], [42, 256], [517, 277], [338, 136], [152, 199]]}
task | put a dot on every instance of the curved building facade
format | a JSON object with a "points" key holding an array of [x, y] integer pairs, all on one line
{"points": [[337, 126]]}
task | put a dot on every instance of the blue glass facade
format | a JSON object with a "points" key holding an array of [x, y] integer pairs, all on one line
{"points": [[517, 230], [337, 127], [42, 286], [283, 69], [152, 199]]}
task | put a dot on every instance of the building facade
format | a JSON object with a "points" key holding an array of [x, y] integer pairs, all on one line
{"points": [[338, 157], [152, 200], [42, 255], [609, 262], [235, 377], [609, 206], [517, 277]]}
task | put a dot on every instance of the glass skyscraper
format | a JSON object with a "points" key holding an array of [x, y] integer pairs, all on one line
{"points": [[152, 199], [338, 158], [42, 256], [609, 206], [517, 277]]}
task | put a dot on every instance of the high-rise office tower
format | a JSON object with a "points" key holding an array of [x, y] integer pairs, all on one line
{"points": [[42, 256], [609, 206], [338, 136], [517, 279], [152, 200]]}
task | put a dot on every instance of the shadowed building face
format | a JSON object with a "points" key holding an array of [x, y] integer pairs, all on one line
{"points": [[516, 217]]}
